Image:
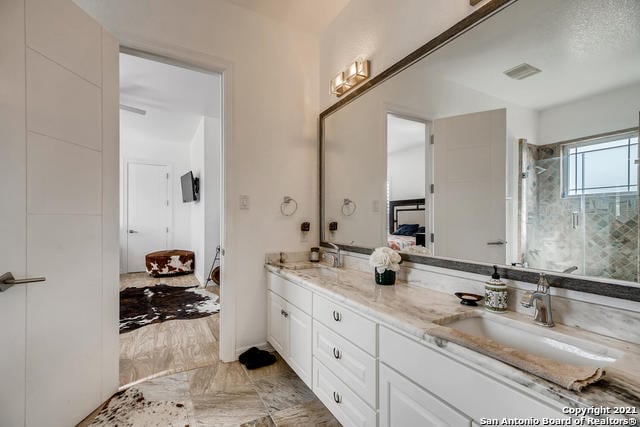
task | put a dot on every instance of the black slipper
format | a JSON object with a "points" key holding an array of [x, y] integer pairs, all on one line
{"points": [[261, 359], [247, 355], [255, 358]]}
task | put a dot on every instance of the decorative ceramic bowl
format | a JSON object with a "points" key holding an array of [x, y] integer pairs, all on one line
{"points": [[468, 299]]}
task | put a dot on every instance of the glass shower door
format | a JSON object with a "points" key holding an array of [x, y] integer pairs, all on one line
{"points": [[579, 207]]}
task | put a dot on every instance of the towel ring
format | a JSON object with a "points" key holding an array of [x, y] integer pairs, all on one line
{"points": [[286, 202], [346, 209]]}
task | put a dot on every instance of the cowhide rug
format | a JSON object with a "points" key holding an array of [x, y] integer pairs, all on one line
{"points": [[129, 408], [159, 303]]}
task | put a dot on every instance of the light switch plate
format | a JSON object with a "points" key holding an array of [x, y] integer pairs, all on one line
{"points": [[244, 202]]}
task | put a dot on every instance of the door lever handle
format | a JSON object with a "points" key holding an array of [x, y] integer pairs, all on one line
{"points": [[498, 242], [133, 232], [7, 280]]}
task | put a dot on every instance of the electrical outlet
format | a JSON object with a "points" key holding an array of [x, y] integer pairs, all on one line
{"points": [[244, 202]]}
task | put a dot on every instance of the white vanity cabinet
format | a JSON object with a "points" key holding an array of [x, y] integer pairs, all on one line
{"points": [[289, 326], [369, 374], [463, 389], [344, 362], [403, 403]]}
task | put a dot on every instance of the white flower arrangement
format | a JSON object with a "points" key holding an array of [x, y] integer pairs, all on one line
{"points": [[385, 258]]}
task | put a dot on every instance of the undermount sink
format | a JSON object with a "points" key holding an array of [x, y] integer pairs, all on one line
{"points": [[536, 340], [320, 271]]}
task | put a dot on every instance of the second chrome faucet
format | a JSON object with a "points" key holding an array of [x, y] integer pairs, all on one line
{"points": [[336, 256], [541, 301]]}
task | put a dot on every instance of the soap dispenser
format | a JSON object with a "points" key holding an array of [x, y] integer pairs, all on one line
{"points": [[495, 293]]}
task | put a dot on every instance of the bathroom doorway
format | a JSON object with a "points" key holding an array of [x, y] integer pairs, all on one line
{"points": [[409, 177], [171, 212]]}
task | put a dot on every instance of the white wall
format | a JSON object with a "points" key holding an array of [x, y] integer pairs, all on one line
{"points": [[205, 213], [383, 31], [406, 173], [197, 208], [274, 134], [607, 112], [177, 154], [211, 190]]}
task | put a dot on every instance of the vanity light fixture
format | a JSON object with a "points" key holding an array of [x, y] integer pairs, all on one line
{"points": [[338, 85], [346, 80]]}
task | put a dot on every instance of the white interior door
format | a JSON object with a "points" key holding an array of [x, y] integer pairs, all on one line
{"points": [[147, 212], [58, 217], [13, 227], [469, 177]]}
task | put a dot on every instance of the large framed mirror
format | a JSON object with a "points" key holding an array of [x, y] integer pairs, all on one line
{"points": [[511, 139]]}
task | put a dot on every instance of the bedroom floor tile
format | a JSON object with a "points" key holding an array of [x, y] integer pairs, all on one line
{"points": [[167, 347]]}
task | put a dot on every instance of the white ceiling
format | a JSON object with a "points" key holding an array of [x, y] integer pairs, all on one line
{"points": [[404, 134], [305, 15], [583, 47], [174, 98]]}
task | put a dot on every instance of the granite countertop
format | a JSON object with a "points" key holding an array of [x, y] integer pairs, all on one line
{"points": [[417, 311]]}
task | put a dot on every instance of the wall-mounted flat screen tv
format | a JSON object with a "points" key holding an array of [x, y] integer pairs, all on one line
{"points": [[189, 187]]}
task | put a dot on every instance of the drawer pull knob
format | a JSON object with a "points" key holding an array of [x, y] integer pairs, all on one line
{"points": [[336, 353], [337, 316], [284, 313], [337, 397]]}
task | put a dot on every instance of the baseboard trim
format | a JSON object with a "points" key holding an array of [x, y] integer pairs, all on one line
{"points": [[262, 346]]}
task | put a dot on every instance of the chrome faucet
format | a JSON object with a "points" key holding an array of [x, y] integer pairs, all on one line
{"points": [[541, 298], [335, 256]]}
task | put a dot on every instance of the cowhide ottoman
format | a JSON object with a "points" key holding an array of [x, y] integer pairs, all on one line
{"points": [[169, 263]]}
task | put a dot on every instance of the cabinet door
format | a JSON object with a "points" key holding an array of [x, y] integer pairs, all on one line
{"points": [[277, 333], [299, 351], [403, 403]]}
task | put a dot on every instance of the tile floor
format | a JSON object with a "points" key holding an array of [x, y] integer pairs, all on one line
{"points": [[226, 394], [172, 361], [168, 347]]}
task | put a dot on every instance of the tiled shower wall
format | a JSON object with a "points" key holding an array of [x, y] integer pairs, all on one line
{"points": [[603, 242]]}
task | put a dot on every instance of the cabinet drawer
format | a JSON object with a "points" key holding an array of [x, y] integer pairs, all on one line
{"points": [[402, 403], [295, 294], [353, 365], [343, 403], [345, 322], [459, 385]]}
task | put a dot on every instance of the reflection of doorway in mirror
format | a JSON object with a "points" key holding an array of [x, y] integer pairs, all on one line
{"points": [[470, 203], [408, 178]]}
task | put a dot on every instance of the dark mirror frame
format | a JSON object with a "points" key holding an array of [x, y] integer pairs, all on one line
{"points": [[606, 287]]}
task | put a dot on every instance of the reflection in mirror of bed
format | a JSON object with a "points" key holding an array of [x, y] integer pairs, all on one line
{"points": [[410, 211]]}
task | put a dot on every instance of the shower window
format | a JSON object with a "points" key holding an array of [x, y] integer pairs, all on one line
{"points": [[603, 165]]}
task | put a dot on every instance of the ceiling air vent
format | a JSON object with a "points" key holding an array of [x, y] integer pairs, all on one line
{"points": [[522, 71]]}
